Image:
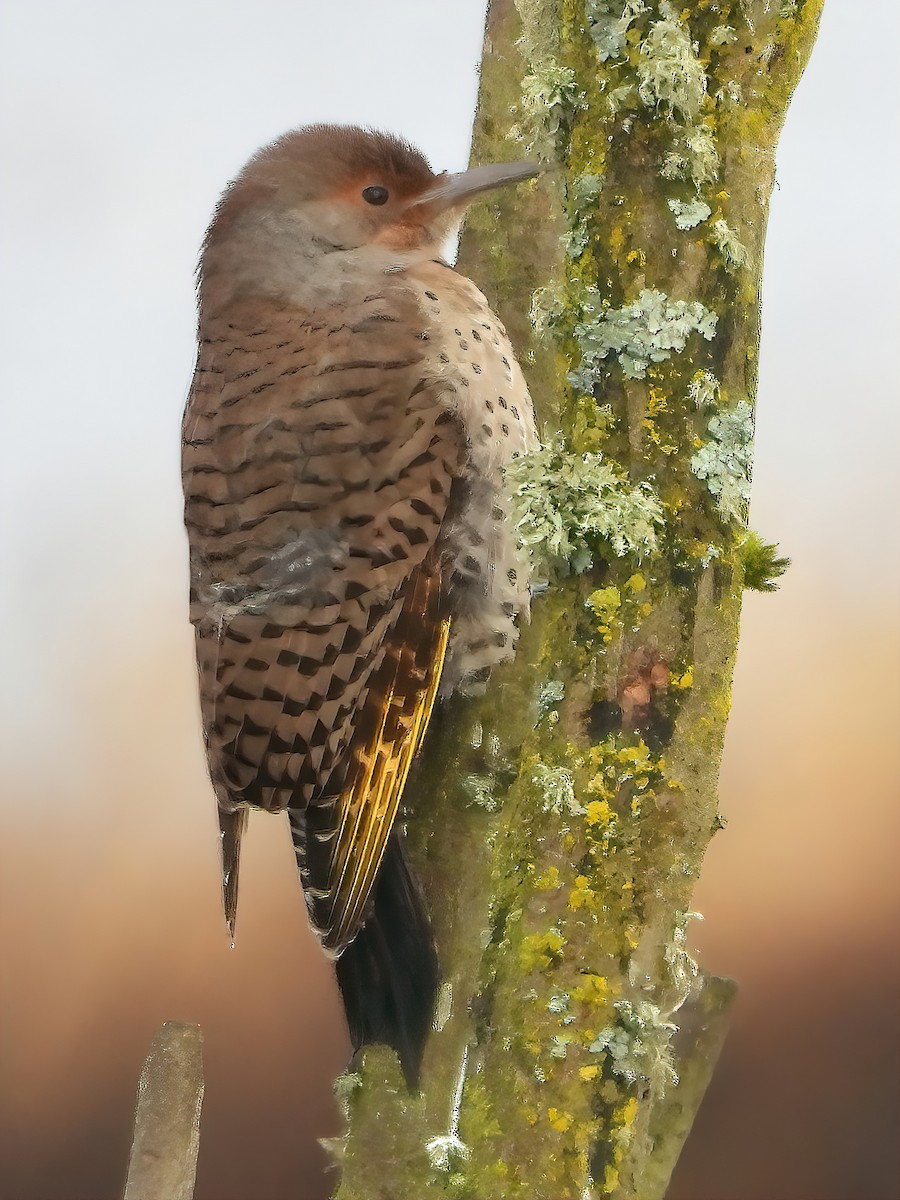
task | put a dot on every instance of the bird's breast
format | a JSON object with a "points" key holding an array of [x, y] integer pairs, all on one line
{"points": [[470, 351]]}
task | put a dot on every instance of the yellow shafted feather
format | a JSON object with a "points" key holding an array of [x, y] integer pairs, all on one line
{"points": [[368, 808]]}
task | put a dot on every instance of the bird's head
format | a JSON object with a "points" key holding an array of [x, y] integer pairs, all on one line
{"points": [[343, 187]]}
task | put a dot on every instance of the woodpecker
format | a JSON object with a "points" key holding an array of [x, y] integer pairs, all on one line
{"points": [[353, 405]]}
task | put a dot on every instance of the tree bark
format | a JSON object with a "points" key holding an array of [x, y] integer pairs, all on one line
{"points": [[163, 1163], [559, 822]]}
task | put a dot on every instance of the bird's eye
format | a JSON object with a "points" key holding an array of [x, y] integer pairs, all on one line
{"points": [[375, 194]]}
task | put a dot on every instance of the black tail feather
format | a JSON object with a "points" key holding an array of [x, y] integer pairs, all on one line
{"points": [[389, 974], [231, 826]]}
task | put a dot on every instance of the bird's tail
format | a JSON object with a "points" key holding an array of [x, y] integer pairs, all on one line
{"points": [[231, 826], [389, 974]]}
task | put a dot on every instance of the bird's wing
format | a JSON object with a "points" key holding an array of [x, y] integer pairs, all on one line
{"points": [[318, 463], [340, 845]]}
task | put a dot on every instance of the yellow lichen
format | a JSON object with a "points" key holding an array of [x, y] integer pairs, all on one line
{"points": [[598, 812], [593, 990], [581, 894], [625, 1114], [548, 879], [616, 241], [605, 604], [560, 1120], [540, 950]]}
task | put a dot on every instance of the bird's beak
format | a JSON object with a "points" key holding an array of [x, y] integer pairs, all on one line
{"points": [[454, 191]]}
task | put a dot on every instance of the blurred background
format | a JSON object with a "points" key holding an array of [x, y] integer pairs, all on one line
{"points": [[120, 123]]}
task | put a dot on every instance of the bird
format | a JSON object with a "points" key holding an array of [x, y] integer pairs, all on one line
{"points": [[352, 557]]}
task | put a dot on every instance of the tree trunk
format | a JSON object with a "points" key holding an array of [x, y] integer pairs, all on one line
{"points": [[559, 822]]}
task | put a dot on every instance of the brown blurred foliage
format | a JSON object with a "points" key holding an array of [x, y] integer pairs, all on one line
{"points": [[111, 924]]}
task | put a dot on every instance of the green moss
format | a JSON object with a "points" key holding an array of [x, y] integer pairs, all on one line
{"points": [[763, 565]]}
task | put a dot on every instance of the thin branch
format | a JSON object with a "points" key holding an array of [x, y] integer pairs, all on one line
{"points": [[163, 1163]]}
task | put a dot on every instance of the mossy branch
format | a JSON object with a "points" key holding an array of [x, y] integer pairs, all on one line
{"points": [[559, 822]]}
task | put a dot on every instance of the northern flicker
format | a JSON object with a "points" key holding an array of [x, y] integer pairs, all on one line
{"points": [[354, 403]]}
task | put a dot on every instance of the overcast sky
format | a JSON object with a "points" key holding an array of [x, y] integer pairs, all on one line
{"points": [[120, 124]]}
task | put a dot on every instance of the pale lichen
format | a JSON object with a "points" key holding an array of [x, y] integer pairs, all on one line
{"points": [[669, 69], [608, 22], [734, 253], [549, 694], [682, 966], [559, 1004], [344, 1087], [704, 388], [623, 96], [637, 1046], [723, 35], [694, 156], [559, 1045], [443, 1009], [446, 1150], [650, 329], [688, 213], [730, 94], [581, 202], [725, 461], [480, 789], [557, 790], [572, 507], [550, 97], [547, 306]]}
